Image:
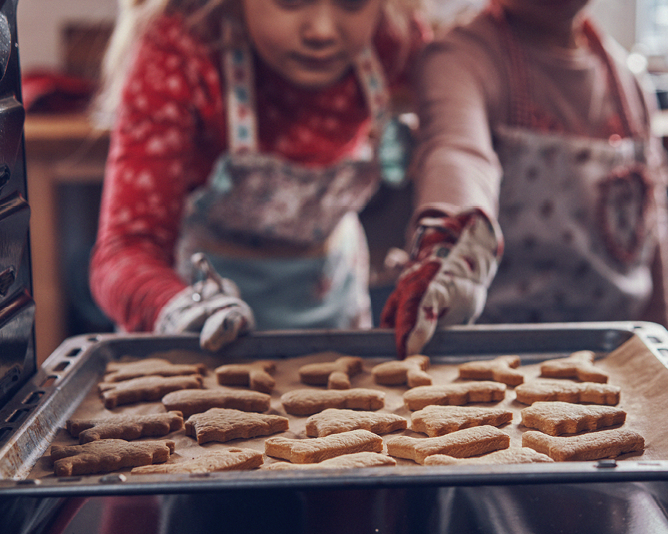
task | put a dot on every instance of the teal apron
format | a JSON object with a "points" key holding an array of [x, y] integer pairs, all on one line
{"points": [[312, 265]]}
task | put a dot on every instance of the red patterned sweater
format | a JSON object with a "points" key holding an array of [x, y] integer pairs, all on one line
{"points": [[171, 127]]}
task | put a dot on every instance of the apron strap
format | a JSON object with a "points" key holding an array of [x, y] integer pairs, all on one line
{"points": [[521, 95], [241, 116], [241, 101], [595, 43], [372, 78], [521, 98]]}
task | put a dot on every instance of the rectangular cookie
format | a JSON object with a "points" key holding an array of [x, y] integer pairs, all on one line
{"points": [[233, 459], [127, 427], [439, 420], [313, 450], [311, 401], [454, 394], [144, 389], [591, 446], [334, 420], [106, 455], [192, 401], [557, 417], [346, 461], [224, 424], [119, 371], [512, 455], [473, 441], [567, 391]]}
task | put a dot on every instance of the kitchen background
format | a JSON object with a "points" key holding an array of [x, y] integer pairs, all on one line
{"points": [[61, 42]]}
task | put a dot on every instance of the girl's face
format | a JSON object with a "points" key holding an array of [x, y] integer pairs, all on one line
{"points": [[311, 43]]}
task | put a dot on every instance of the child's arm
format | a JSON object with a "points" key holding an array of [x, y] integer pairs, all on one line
{"points": [[162, 146], [455, 162], [453, 261], [457, 176]]}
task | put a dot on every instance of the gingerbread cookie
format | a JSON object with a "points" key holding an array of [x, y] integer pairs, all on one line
{"points": [[310, 401], [502, 369], [439, 420], [256, 375], [192, 401], [127, 427], [223, 424], [144, 389], [579, 365], [105, 455], [410, 371], [454, 394], [119, 371], [233, 459], [567, 391], [464, 443], [556, 417], [308, 451], [591, 446], [335, 375], [334, 420], [347, 461], [513, 455]]}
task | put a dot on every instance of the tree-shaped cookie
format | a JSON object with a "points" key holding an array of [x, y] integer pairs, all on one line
{"points": [[502, 369], [256, 375], [335, 374], [411, 371], [119, 371], [578, 365]]}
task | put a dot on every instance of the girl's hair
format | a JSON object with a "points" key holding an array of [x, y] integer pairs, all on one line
{"points": [[205, 18]]}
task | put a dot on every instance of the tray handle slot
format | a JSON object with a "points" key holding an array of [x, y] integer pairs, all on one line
{"points": [[17, 415], [33, 398], [48, 381], [61, 366], [73, 352]]}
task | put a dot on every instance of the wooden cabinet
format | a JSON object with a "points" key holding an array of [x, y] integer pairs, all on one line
{"points": [[60, 149]]}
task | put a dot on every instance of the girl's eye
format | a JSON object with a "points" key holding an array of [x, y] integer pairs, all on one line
{"points": [[352, 5], [291, 4], [348, 5]]}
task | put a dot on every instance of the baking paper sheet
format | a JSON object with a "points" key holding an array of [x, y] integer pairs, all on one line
{"points": [[642, 377]]}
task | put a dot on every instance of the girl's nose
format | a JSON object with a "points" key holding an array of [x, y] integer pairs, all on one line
{"points": [[320, 25]]}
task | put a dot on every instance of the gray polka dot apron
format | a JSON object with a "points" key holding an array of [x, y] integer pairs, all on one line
{"points": [[576, 214], [311, 268]]}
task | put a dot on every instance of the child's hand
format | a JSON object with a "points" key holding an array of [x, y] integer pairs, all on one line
{"points": [[453, 261], [211, 307]]}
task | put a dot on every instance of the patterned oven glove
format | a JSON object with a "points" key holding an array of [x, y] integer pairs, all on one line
{"points": [[453, 261], [211, 307]]}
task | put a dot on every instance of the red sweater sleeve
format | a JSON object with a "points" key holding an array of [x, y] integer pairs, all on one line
{"points": [[171, 111]]}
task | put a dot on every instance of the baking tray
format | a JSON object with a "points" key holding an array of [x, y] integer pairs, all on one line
{"points": [[30, 421]]}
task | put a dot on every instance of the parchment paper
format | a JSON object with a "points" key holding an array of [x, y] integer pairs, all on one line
{"points": [[632, 366]]}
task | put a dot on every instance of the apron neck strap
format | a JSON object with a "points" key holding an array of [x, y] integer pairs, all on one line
{"points": [[241, 105], [521, 96], [239, 74]]}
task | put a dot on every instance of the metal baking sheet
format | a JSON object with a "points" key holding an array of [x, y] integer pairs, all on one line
{"points": [[30, 421]]}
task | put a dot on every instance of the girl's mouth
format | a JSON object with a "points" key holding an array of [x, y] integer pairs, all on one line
{"points": [[315, 63]]}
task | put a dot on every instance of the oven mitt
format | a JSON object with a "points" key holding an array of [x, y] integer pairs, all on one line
{"points": [[453, 260], [212, 307]]}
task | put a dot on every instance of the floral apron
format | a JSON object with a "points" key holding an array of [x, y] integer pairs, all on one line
{"points": [[311, 268], [576, 214]]}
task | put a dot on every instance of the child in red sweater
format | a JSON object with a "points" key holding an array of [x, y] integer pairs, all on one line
{"points": [[246, 135]]}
